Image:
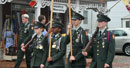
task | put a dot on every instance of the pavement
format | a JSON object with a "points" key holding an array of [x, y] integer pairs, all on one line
{"points": [[120, 61], [10, 64]]}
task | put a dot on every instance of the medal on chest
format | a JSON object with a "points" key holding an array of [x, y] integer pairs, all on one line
{"points": [[103, 44], [78, 37], [25, 31], [39, 45], [54, 45]]}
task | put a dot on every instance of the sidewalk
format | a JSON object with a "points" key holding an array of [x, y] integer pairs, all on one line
{"points": [[120, 61], [10, 64]]}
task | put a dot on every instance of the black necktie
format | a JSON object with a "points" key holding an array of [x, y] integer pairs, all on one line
{"points": [[100, 33]]}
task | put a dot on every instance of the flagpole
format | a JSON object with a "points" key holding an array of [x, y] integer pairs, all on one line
{"points": [[52, 4], [113, 6], [70, 30]]}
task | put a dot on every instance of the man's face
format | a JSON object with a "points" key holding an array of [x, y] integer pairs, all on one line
{"points": [[76, 22], [24, 20], [102, 24], [56, 30], [43, 21]]}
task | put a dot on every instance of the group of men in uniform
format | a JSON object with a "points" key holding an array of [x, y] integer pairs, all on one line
{"points": [[102, 50]]}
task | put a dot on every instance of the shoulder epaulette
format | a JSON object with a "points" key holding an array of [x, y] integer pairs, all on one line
{"points": [[86, 33], [63, 35]]}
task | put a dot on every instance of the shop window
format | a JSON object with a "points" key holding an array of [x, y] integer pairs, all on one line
{"points": [[12, 20], [127, 24], [85, 14]]}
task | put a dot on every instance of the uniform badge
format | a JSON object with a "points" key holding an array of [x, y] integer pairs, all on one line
{"points": [[103, 46], [78, 37], [25, 31], [54, 45], [40, 47], [77, 40]]}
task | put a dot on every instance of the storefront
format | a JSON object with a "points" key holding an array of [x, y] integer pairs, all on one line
{"points": [[10, 15]]}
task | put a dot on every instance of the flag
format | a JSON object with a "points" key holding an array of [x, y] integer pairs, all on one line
{"points": [[32, 3], [127, 4]]}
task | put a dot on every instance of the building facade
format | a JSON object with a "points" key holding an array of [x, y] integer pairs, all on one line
{"points": [[119, 14]]}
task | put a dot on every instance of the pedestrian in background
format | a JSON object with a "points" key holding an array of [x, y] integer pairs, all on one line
{"points": [[24, 31], [42, 19]]}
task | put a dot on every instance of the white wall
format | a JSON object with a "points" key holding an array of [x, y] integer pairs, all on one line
{"points": [[118, 12], [92, 21]]}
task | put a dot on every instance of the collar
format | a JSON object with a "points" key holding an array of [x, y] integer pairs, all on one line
{"points": [[39, 35], [102, 30], [26, 23], [76, 28]]}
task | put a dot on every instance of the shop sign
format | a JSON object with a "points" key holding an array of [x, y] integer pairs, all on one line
{"points": [[59, 8], [3, 1]]}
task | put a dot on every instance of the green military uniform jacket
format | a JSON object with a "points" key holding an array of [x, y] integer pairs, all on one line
{"points": [[39, 51], [25, 31], [103, 50], [58, 50], [79, 41]]}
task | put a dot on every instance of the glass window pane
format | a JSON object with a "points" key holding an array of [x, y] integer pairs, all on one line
{"points": [[85, 14]]}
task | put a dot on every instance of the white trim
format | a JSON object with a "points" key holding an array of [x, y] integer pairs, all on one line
{"points": [[74, 6]]}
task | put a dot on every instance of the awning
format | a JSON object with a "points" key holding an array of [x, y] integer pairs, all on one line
{"points": [[82, 4], [81, 1]]}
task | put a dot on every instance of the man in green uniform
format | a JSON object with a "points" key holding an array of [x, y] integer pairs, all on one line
{"points": [[79, 41], [25, 30], [103, 48], [39, 46], [58, 48]]}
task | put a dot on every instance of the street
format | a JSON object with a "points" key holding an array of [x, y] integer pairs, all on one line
{"points": [[120, 61]]}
